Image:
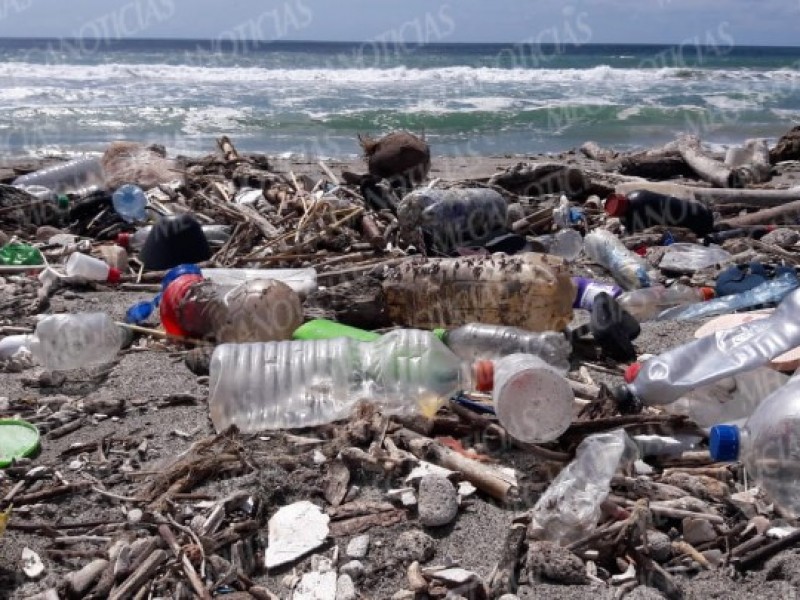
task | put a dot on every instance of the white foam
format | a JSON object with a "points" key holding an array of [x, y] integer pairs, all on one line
{"points": [[727, 103]]}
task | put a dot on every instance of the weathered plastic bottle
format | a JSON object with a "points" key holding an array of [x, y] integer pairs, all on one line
{"points": [[673, 374], [303, 281], [688, 258], [279, 385], [65, 177], [628, 269], [587, 290], [63, 342], [566, 243], [641, 209], [648, 303], [216, 235], [767, 444], [480, 341], [93, 269], [453, 218], [531, 291], [130, 203]]}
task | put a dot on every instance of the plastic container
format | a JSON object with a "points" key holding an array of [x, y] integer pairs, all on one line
{"points": [[256, 310], [532, 399], [767, 444], [668, 376], [587, 290], [93, 269], [454, 218], [283, 385], [688, 258], [641, 209], [565, 216], [64, 342], [531, 291], [479, 341], [302, 281], [567, 243], [647, 303], [65, 177], [628, 269], [130, 203], [570, 508], [323, 329], [216, 235], [768, 293]]}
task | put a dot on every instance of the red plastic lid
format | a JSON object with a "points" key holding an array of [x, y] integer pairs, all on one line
{"points": [[484, 375], [708, 293], [632, 371], [124, 240], [641, 250], [114, 275], [617, 205], [171, 300]]}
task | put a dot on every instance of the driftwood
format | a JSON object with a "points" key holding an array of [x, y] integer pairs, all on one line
{"points": [[594, 151], [785, 214], [504, 577], [705, 166], [540, 179], [755, 198]]}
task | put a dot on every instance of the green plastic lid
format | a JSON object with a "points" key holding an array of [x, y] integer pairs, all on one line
{"points": [[440, 333], [323, 329], [17, 439]]}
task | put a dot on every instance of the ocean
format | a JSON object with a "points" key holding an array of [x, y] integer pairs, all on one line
{"points": [[313, 98]]}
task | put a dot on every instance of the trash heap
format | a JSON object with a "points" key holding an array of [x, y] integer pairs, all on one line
{"points": [[573, 376]]}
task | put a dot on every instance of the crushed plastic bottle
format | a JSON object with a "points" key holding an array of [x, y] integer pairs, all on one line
{"points": [[767, 444], [688, 258], [570, 507], [647, 303], [17, 254], [628, 269], [566, 243], [303, 281], [93, 269], [65, 342], [65, 177], [476, 341], [283, 385], [130, 203], [588, 289]]}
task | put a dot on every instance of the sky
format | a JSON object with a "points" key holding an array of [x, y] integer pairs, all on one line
{"points": [[714, 22]]}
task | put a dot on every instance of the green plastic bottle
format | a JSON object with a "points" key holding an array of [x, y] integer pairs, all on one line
{"points": [[17, 254], [323, 329]]}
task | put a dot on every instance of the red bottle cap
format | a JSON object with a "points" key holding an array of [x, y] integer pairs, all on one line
{"points": [[171, 300], [617, 205], [484, 375], [632, 371], [114, 275], [708, 293], [124, 240]]}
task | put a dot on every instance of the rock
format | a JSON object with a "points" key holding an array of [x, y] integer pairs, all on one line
{"points": [[414, 545], [345, 589], [508, 597], [316, 586], [398, 155], [760, 523], [354, 569], [135, 515], [465, 490], [660, 546], [643, 592], [714, 556], [358, 546], [698, 531], [3, 238], [32, 565], [699, 486], [787, 148], [551, 562], [781, 237], [455, 576], [404, 595], [746, 502], [426, 468], [437, 502], [295, 530]]}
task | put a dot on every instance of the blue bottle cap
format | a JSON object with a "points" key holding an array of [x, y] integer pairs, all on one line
{"points": [[139, 312], [668, 239], [724, 443], [176, 272]]}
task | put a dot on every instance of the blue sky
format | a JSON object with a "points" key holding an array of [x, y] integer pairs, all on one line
{"points": [[741, 22]]}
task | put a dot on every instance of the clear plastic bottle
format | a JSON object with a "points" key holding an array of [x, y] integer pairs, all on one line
{"points": [[476, 341], [767, 444], [91, 268], [64, 342], [769, 292], [277, 385], [216, 235], [628, 269], [130, 203], [65, 177], [688, 258], [566, 243], [303, 281], [673, 374], [647, 303]]}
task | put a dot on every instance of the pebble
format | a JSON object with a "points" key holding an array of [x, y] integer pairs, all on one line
{"points": [[317, 586], [714, 556], [345, 589], [547, 560], [660, 546], [358, 546], [3, 239], [781, 237], [508, 597], [761, 523], [437, 502], [353, 569], [135, 515], [414, 545], [698, 531]]}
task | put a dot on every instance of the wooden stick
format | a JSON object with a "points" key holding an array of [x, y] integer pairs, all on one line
{"points": [[79, 582], [763, 554], [140, 576], [188, 569]]}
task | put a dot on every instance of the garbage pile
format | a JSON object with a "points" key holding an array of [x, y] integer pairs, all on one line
{"points": [[373, 359]]}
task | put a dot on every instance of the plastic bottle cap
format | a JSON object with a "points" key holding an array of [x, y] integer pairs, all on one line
{"points": [[175, 272], [139, 311], [616, 205], [632, 371], [124, 240], [63, 202], [440, 333], [114, 275], [484, 375], [171, 299], [723, 442], [18, 438], [708, 293]]}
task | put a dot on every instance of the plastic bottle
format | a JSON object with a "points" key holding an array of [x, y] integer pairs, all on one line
{"points": [[453, 218], [255, 310], [63, 342], [628, 269], [529, 290], [566, 243], [769, 292], [216, 235], [303, 281], [130, 203], [16, 254], [767, 444], [323, 329], [278, 385], [65, 177], [641, 209], [668, 376], [93, 269], [647, 303], [688, 258], [587, 290], [565, 216], [570, 508], [480, 341]]}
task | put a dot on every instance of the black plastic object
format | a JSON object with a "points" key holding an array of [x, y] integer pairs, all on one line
{"points": [[642, 209], [613, 328], [627, 402], [756, 232], [174, 241]]}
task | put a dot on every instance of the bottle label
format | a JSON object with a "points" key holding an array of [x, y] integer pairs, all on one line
{"points": [[592, 289]]}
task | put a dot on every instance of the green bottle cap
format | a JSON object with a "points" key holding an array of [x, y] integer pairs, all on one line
{"points": [[440, 333], [63, 201]]}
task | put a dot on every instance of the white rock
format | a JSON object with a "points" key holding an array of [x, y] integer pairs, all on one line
{"points": [[353, 569], [135, 515], [345, 589], [32, 565], [466, 489], [455, 576], [358, 546], [294, 531], [316, 586], [319, 458], [408, 499], [426, 468]]}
